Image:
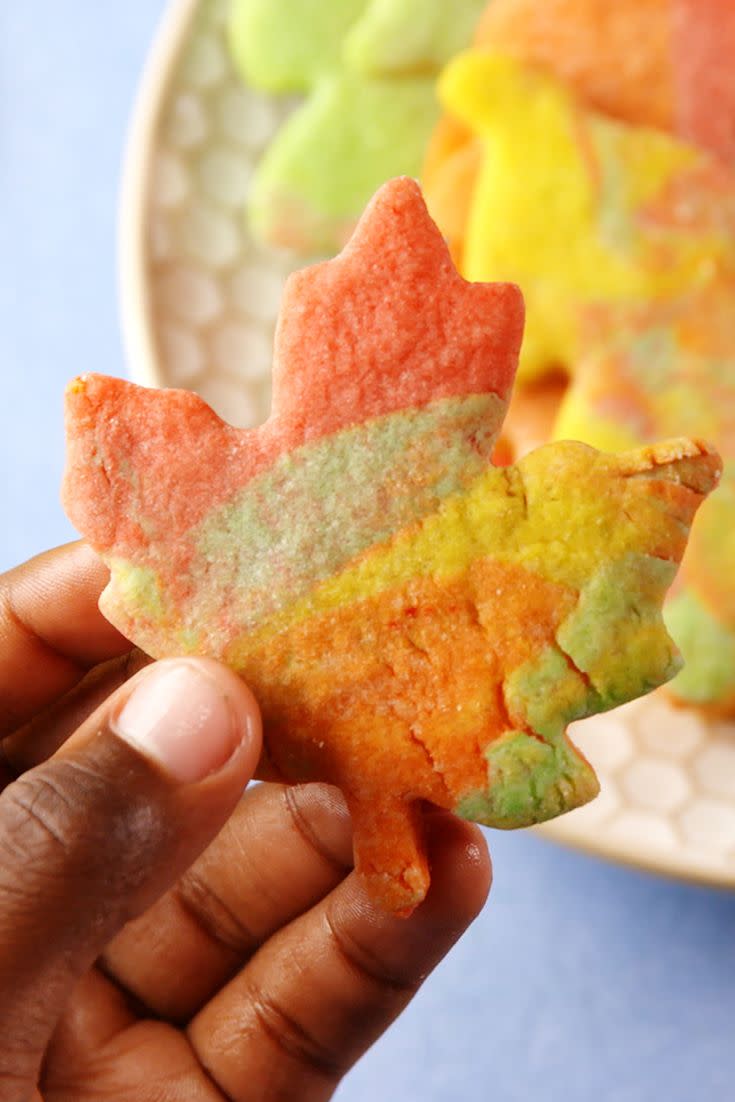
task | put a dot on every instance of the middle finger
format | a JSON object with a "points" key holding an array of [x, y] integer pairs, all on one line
{"points": [[281, 852]]}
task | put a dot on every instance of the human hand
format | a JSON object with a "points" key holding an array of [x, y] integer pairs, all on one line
{"points": [[161, 935]]}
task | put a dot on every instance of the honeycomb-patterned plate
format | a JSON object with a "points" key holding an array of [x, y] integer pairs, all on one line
{"points": [[199, 307]]}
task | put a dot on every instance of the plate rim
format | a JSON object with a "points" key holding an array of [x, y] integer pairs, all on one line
{"points": [[143, 365], [135, 307], [562, 833]]}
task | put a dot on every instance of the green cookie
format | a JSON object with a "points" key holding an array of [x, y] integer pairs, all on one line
{"points": [[286, 45], [329, 158], [410, 36], [369, 67]]}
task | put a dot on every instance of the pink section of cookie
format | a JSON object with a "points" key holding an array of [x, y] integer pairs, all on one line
{"points": [[387, 325], [174, 444], [346, 350], [704, 67]]}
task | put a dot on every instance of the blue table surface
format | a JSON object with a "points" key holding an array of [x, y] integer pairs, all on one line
{"points": [[580, 980]]}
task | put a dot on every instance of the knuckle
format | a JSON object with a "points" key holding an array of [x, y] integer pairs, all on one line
{"points": [[292, 1039], [36, 819], [22, 1039], [214, 914], [63, 820], [15, 1084], [315, 820], [366, 964]]}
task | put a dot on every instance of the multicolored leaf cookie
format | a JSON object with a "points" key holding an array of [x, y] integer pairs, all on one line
{"points": [[661, 63], [575, 207], [665, 64], [662, 368], [418, 625]]}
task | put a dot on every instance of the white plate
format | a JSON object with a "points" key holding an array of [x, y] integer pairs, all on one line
{"points": [[199, 306]]}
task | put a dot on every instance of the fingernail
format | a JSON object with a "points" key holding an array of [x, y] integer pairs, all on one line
{"points": [[181, 718]]}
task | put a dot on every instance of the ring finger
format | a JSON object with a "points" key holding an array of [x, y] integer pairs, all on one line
{"points": [[282, 851], [322, 990]]}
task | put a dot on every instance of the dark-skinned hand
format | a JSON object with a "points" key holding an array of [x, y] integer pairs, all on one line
{"points": [[163, 937]]}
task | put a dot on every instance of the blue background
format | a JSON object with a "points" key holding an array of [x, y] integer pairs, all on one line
{"points": [[580, 980]]}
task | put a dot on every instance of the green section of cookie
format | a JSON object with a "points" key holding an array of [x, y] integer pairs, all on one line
{"points": [[410, 36], [614, 637], [529, 781], [708, 649]]}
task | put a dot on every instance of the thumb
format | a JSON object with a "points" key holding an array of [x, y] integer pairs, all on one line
{"points": [[93, 836]]}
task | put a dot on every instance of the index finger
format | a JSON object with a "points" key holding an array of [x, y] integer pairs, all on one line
{"points": [[51, 630]]}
